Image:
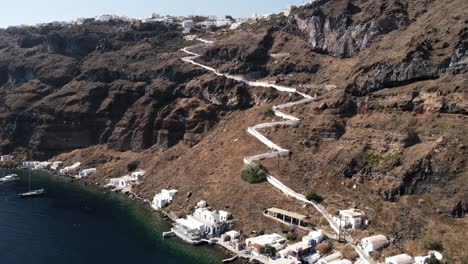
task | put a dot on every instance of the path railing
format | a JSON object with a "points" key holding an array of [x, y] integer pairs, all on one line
{"points": [[279, 151]]}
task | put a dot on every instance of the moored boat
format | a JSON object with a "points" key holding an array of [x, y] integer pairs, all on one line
{"points": [[32, 193], [9, 178]]}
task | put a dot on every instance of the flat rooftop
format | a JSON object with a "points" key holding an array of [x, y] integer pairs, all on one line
{"points": [[287, 213]]}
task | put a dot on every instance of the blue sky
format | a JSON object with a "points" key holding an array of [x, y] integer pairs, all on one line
{"points": [[15, 12]]}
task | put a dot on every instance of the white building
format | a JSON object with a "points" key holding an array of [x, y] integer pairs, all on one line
{"points": [[374, 243], [296, 252], [221, 22], [351, 218], [190, 37], [126, 182], [104, 18], [422, 259], [273, 240], [86, 172], [70, 169], [42, 165], [56, 164], [288, 10], [399, 259], [162, 199], [330, 258], [230, 235], [30, 164], [314, 238], [5, 158], [187, 25], [311, 259], [136, 175], [202, 223]]}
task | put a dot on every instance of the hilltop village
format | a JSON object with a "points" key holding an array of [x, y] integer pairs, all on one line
{"points": [[304, 224]]}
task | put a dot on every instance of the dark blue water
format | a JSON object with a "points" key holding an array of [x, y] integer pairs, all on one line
{"points": [[79, 224]]}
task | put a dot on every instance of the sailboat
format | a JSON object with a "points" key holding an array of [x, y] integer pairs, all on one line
{"points": [[31, 193]]}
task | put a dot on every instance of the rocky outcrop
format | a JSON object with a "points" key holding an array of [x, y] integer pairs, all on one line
{"points": [[331, 27], [415, 67]]}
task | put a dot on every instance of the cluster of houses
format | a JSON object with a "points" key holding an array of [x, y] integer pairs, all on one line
{"points": [[204, 223], [56, 165], [378, 242], [6, 158], [126, 182]]}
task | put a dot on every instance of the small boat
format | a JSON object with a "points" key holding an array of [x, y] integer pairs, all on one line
{"points": [[9, 178], [33, 193]]}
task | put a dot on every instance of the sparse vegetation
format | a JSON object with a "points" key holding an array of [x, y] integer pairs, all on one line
{"points": [[323, 221], [324, 248], [432, 260], [292, 236], [268, 112], [432, 244], [311, 195], [268, 250], [372, 160], [254, 173], [349, 253]]}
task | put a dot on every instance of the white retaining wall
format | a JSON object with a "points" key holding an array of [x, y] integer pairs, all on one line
{"points": [[291, 120]]}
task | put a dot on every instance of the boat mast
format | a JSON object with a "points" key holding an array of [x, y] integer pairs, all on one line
{"points": [[29, 179]]}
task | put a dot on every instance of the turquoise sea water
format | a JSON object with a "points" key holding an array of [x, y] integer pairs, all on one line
{"points": [[73, 223]]}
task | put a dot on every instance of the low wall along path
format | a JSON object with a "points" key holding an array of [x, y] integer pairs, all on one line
{"points": [[278, 151]]}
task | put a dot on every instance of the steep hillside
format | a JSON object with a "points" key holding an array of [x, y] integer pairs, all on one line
{"points": [[386, 133]]}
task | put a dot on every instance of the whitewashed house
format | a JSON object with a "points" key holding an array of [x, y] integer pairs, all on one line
{"points": [[86, 172], [311, 259], [187, 25], [162, 199], [30, 164], [330, 258], [221, 22], [70, 169], [56, 164], [351, 218], [422, 259], [374, 243], [202, 223], [273, 240], [399, 259], [42, 165], [296, 252], [314, 237], [287, 11], [104, 18], [231, 235], [126, 182], [6, 158]]}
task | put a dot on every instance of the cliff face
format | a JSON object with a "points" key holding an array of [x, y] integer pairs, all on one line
{"points": [[387, 131], [78, 86]]}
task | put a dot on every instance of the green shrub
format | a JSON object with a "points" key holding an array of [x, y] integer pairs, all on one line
{"points": [[254, 173], [268, 112], [432, 260], [132, 166], [292, 236], [268, 250], [432, 244], [311, 195], [372, 160]]}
